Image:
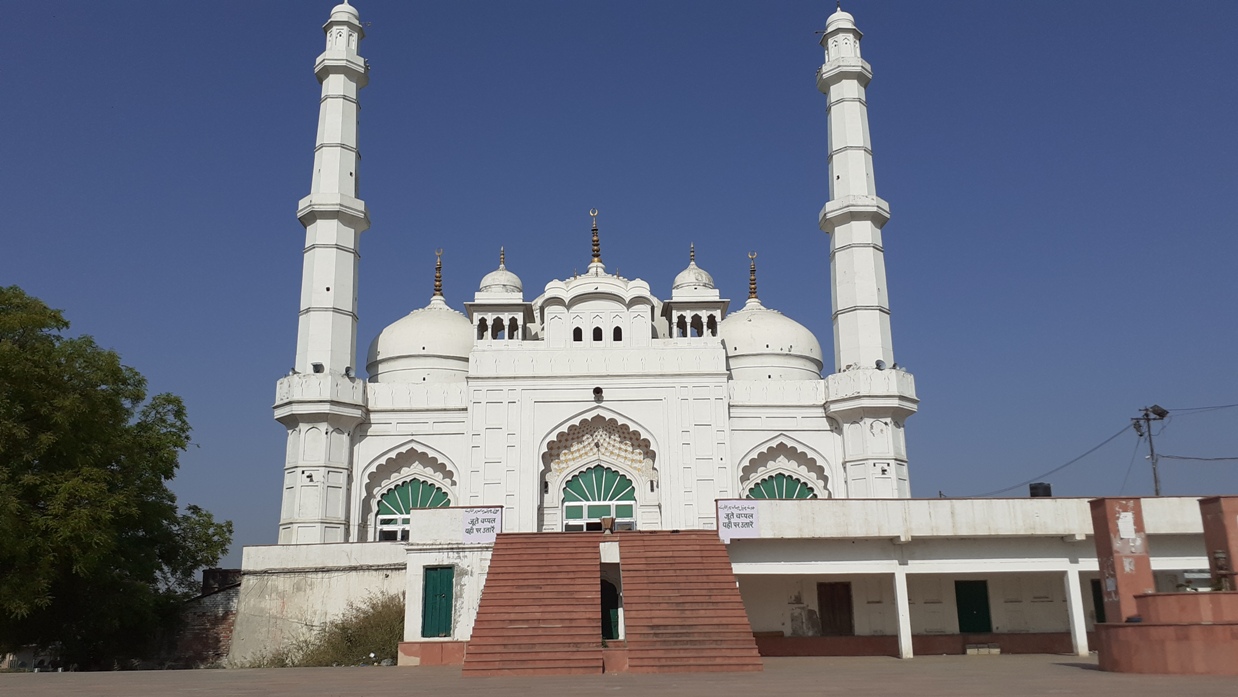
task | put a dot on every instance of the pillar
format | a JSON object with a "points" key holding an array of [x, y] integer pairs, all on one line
{"points": [[1074, 610], [1220, 516], [1122, 553], [902, 607]]}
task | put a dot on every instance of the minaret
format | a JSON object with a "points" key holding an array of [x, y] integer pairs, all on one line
{"points": [[869, 397], [333, 216], [320, 401], [855, 214]]}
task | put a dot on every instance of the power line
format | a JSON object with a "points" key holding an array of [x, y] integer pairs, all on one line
{"points": [[1055, 470], [1202, 409], [1131, 465], [1199, 459]]}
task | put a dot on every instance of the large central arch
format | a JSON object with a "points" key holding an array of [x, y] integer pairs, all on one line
{"points": [[592, 441]]}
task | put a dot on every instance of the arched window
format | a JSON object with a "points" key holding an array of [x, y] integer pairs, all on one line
{"points": [[597, 333], [781, 486], [482, 328], [618, 334], [596, 493], [513, 329], [496, 328], [681, 327], [577, 334], [697, 328], [712, 325], [392, 518]]}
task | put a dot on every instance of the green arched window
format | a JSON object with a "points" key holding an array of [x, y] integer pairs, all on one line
{"points": [[394, 506], [781, 486], [596, 493]]}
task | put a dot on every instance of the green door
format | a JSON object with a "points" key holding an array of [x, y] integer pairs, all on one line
{"points": [[972, 598], [436, 601]]}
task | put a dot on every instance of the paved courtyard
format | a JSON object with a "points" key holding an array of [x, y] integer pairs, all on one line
{"points": [[1009, 676]]}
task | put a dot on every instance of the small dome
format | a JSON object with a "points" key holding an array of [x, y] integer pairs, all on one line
{"points": [[501, 281], [764, 344], [840, 20], [427, 345], [693, 277], [346, 9]]}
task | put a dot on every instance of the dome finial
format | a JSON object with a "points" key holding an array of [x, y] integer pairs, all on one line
{"points": [[502, 259], [691, 252], [597, 245], [438, 272], [752, 275]]}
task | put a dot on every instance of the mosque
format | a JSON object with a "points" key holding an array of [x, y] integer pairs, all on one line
{"points": [[590, 414]]}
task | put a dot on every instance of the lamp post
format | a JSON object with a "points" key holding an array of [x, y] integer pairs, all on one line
{"points": [[1153, 413]]}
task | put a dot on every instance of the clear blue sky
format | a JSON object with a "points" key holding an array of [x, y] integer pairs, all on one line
{"points": [[1062, 175]]}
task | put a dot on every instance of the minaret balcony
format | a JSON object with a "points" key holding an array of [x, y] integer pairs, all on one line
{"points": [[891, 391], [320, 394], [838, 69], [851, 208], [327, 205], [353, 66]]}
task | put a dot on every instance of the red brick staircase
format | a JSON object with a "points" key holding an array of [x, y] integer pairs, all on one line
{"points": [[682, 608], [539, 609]]}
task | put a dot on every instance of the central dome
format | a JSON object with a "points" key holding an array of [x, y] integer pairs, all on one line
{"points": [[427, 345]]}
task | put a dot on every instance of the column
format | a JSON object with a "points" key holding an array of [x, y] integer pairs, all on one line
{"points": [[1122, 553], [902, 607], [1074, 610]]}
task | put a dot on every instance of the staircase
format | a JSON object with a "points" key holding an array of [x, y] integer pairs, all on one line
{"points": [[538, 613], [682, 608]]}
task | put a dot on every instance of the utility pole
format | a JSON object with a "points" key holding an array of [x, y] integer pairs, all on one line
{"points": [[1153, 413]]}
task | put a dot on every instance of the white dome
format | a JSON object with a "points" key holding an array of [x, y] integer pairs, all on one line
{"points": [[693, 277], [501, 281], [345, 8], [427, 345], [840, 20], [764, 344]]}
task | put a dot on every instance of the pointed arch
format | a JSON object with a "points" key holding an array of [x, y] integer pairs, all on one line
{"points": [[785, 455]]}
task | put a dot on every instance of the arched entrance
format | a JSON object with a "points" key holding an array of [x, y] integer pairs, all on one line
{"points": [[596, 493]]}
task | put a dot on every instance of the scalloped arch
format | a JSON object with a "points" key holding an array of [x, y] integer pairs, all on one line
{"points": [[783, 454]]}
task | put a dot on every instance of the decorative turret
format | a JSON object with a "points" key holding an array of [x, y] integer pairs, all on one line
{"points": [[696, 307]]}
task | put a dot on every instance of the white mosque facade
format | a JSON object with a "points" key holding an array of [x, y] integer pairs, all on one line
{"points": [[590, 398]]}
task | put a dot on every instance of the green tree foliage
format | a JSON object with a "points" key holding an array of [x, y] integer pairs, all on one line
{"points": [[95, 555]]}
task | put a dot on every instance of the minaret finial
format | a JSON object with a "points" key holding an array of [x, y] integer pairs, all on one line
{"points": [[502, 259], [438, 272], [691, 252], [597, 246], [752, 275]]}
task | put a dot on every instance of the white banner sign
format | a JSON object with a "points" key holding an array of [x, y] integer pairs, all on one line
{"points": [[482, 524], [737, 519]]}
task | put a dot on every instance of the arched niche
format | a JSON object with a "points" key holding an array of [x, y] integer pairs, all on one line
{"points": [[785, 455], [410, 461]]}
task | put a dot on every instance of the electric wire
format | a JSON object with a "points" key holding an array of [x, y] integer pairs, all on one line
{"points": [[1131, 466], [1197, 459], [1059, 468]]}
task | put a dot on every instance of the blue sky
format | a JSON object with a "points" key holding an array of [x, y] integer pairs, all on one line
{"points": [[1062, 177]]}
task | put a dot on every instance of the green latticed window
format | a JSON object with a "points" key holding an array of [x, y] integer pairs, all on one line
{"points": [[596, 493], [394, 506], [781, 486]]}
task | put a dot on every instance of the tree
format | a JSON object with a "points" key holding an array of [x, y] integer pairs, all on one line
{"points": [[95, 555]]}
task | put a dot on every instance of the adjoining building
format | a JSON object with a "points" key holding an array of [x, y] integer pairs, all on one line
{"points": [[596, 403]]}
